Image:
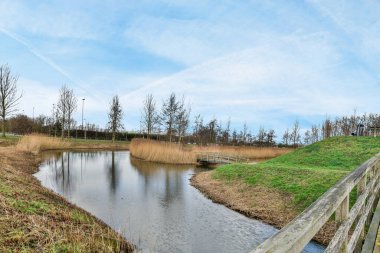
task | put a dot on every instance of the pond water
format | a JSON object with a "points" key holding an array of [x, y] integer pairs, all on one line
{"points": [[152, 205]]}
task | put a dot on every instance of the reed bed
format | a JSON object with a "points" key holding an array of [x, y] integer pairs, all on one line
{"points": [[36, 143], [162, 152], [251, 153], [165, 152]]}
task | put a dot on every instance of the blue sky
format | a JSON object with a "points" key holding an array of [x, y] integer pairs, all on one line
{"points": [[266, 63]]}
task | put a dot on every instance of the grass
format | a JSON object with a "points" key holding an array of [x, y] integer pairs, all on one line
{"points": [[34, 219], [9, 140], [36, 143], [173, 153], [308, 172]]}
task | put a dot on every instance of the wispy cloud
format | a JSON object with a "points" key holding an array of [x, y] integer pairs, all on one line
{"points": [[263, 62]]}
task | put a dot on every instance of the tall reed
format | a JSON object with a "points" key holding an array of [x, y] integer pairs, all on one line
{"points": [[162, 152], [165, 152], [36, 143], [248, 152]]}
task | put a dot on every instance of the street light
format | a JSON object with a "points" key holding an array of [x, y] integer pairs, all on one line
{"points": [[83, 99]]}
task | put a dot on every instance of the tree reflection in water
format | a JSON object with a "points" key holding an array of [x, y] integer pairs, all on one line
{"points": [[170, 175]]}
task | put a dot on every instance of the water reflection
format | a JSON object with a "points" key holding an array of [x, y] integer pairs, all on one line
{"points": [[113, 173], [152, 204]]}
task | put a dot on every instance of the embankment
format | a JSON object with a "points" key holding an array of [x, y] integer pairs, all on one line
{"points": [[277, 190], [173, 153], [34, 219]]}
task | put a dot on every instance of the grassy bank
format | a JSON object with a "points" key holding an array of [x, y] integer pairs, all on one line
{"points": [[33, 219], [173, 153], [291, 182], [36, 143]]}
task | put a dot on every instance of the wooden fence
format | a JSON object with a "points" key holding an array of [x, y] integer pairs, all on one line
{"points": [[351, 222], [220, 158]]}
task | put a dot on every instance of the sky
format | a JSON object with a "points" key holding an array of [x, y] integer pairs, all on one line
{"points": [[263, 63]]}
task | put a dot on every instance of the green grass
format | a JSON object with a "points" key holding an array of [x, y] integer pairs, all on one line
{"points": [[30, 207], [8, 140], [92, 141], [80, 217], [308, 172]]}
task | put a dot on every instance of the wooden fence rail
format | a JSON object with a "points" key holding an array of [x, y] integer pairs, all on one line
{"points": [[212, 157], [351, 223]]}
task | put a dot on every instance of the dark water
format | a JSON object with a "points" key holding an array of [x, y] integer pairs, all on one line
{"points": [[153, 205]]}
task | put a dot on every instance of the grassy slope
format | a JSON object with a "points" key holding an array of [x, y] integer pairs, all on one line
{"points": [[33, 219], [307, 172]]}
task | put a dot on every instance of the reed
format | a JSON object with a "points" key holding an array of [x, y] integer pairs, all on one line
{"points": [[251, 153], [165, 152], [36, 143], [162, 152]]}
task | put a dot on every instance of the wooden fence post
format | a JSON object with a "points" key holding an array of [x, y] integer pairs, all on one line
{"points": [[341, 214]]}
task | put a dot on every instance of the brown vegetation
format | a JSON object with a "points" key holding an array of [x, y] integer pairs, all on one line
{"points": [[248, 152], [163, 152], [166, 152], [266, 204], [34, 219], [36, 143]]}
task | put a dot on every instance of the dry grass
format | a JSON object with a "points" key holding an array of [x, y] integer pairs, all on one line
{"points": [[34, 219], [251, 153], [161, 152], [259, 202], [165, 152], [36, 143]]}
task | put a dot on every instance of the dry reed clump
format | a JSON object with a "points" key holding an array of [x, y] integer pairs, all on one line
{"points": [[165, 152], [36, 143], [244, 151], [162, 152]]}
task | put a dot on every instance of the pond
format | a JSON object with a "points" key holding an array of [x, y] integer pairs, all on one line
{"points": [[152, 205]]}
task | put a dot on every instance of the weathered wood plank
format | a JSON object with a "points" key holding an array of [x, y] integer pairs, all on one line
{"points": [[342, 232]]}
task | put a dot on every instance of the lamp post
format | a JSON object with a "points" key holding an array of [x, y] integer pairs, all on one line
{"points": [[83, 99]]}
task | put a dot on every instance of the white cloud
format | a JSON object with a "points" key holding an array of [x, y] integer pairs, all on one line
{"points": [[295, 75]]}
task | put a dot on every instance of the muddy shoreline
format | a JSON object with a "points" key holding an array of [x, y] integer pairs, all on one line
{"points": [[267, 205]]}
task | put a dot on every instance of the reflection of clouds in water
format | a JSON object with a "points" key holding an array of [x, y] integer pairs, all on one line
{"points": [[153, 204]]}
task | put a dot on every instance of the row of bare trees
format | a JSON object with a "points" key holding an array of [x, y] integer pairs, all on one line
{"points": [[62, 116], [172, 119]]}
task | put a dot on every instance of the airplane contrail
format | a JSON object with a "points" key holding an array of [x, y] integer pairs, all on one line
{"points": [[47, 61]]}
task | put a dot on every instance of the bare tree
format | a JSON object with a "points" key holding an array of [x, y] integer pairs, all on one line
{"points": [[9, 96], [149, 115], [182, 119], [286, 137], [307, 137], [62, 109], [115, 117], [314, 133], [71, 105], [168, 115], [295, 136]]}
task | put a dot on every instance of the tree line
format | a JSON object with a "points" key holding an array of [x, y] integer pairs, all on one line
{"points": [[170, 121], [61, 119]]}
